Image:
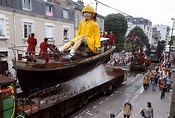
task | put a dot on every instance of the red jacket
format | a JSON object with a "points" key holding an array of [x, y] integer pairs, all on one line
{"points": [[44, 46], [32, 42], [134, 35], [43, 50], [112, 38], [105, 35]]}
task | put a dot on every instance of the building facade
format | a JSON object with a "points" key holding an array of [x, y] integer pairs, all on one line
{"points": [[20, 18], [145, 24], [156, 36], [164, 31]]}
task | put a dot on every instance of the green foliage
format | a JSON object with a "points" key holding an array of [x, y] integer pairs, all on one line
{"points": [[128, 46], [140, 33], [172, 41], [117, 23]]}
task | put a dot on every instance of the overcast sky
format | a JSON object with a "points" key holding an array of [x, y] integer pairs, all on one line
{"points": [[157, 11]]}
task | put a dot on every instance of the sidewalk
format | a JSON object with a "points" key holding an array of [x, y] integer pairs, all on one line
{"points": [[172, 110], [161, 107]]}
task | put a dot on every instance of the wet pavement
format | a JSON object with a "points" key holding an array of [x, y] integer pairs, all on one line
{"points": [[103, 106], [161, 107]]}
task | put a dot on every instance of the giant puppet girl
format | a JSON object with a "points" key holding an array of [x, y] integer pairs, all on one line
{"points": [[88, 34]]}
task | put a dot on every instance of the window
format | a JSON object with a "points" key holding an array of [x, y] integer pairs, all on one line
{"points": [[2, 27], [49, 10], [65, 34], [65, 14], [27, 29], [49, 31], [3, 53], [27, 4], [148, 28]]}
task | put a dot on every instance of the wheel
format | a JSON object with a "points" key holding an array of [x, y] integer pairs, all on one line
{"points": [[110, 88], [85, 101], [81, 104], [62, 114], [104, 92]]}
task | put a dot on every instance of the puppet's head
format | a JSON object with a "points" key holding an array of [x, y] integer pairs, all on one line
{"points": [[88, 12]]}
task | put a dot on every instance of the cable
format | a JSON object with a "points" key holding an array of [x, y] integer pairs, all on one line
{"points": [[112, 8]]}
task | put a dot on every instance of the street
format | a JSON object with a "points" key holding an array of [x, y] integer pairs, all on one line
{"points": [[103, 106]]}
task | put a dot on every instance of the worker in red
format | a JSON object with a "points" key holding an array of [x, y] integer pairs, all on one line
{"points": [[43, 50], [134, 35], [105, 34], [111, 38], [32, 42]]}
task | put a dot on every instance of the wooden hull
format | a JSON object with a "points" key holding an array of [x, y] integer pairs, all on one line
{"points": [[40, 78]]}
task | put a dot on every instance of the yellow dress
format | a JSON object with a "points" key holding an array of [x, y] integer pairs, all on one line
{"points": [[89, 29]]}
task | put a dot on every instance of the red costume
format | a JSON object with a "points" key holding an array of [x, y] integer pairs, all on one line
{"points": [[134, 35], [105, 34], [43, 51], [32, 42], [112, 38]]}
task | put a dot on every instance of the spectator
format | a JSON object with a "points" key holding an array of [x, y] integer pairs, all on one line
{"points": [[127, 109], [145, 83], [154, 82], [148, 111], [163, 88], [169, 82]]}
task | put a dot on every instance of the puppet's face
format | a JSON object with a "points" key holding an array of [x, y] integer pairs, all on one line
{"points": [[87, 15]]}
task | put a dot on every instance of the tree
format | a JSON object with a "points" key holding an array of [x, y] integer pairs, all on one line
{"points": [[172, 41], [128, 46], [117, 23], [140, 33]]}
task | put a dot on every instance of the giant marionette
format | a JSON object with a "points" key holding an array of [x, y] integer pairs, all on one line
{"points": [[88, 34]]}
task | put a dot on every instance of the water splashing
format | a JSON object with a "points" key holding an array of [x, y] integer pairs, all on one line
{"points": [[87, 81]]}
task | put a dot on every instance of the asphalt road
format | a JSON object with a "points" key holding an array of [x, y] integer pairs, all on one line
{"points": [[103, 106]]}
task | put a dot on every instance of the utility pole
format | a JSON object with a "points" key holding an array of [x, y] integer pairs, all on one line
{"points": [[171, 38], [96, 5]]}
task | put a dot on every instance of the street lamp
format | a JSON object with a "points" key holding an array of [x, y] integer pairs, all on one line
{"points": [[171, 38]]}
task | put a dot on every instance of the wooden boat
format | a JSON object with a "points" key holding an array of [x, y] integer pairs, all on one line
{"points": [[32, 75]]}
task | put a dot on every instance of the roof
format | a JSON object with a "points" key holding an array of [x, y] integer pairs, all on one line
{"points": [[5, 80], [138, 20]]}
